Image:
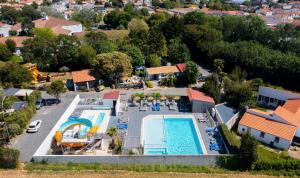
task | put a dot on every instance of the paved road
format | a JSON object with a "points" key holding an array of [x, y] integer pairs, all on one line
{"points": [[29, 143]]}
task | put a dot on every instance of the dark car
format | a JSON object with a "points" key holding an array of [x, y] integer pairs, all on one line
{"points": [[51, 101], [39, 104]]}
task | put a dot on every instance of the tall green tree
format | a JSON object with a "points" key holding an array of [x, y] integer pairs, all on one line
{"points": [[100, 42], [248, 152], [153, 61], [11, 45], [56, 88], [178, 51], [117, 19], [157, 42], [113, 65], [5, 53], [191, 72], [212, 87], [86, 55], [136, 55]]}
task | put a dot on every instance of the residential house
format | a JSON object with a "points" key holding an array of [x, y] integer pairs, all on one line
{"points": [[199, 101], [85, 79], [17, 92], [18, 40], [279, 128], [226, 114], [4, 29], [271, 97], [157, 73], [57, 25]]}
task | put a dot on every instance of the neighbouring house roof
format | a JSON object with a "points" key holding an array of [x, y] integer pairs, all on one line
{"points": [[181, 67], [16, 27], [162, 70], [83, 76], [17, 92], [3, 25], [278, 129], [225, 111], [199, 96], [290, 112], [112, 95], [17, 39], [18, 105]]}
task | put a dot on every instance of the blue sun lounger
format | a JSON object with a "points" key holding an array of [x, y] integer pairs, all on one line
{"points": [[122, 126]]}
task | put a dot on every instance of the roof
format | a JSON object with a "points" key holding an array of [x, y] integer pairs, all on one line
{"points": [[162, 70], [18, 105], [17, 92], [17, 39], [83, 76], [181, 67], [199, 96], [225, 111], [3, 25], [268, 126], [112, 95], [290, 112]]}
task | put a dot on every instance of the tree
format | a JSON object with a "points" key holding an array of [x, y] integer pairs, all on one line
{"points": [[117, 3], [138, 25], [219, 66], [30, 12], [191, 72], [26, 25], [136, 55], [173, 27], [113, 65], [248, 151], [153, 61], [86, 55], [86, 16], [138, 34], [178, 52], [156, 3], [11, 45], [117, 19], [56, 88], [212, 87], [99, 41], [157, 42], [5, 53], [9, 14], [15, 74]]}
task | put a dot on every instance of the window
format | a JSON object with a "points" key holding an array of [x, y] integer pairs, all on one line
{"points": [[262, 134], [259, 98], [276, 140], [271, 100], [243, 129]]}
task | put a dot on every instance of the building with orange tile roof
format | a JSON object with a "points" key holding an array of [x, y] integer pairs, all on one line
{"points": [[18, 40], [57, 25], [85, 79], [199, 101], [157, 73]]}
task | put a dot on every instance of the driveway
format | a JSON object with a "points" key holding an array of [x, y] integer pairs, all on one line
{"points": [[29, 143]]}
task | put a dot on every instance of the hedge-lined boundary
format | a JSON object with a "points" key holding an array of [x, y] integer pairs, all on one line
{"points": [[230, 139]]}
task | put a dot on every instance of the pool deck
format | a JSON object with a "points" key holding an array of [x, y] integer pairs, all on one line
{"points": [[135, 121]]}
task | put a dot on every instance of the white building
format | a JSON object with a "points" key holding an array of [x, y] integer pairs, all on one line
{"points": [[157, 73], [225, 114], [112, 100], [4, 29], [199, 101], [271, 97]]}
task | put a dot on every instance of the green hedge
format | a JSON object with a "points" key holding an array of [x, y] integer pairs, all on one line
{"points": [[230, 139], [9, 158], [277, 165]]}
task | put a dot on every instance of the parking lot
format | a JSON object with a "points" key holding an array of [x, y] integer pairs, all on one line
{"points": [[28, 143]]}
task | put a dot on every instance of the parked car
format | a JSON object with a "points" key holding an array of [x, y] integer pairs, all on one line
{"points": [[34, 126], [39, 104], [51, 101]]}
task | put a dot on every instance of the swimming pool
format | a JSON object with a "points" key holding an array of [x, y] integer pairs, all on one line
{"points": [[170, 136]]}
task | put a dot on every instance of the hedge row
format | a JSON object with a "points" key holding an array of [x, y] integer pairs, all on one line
{"points": [[277, 165], [9, 158], [230, 139]]}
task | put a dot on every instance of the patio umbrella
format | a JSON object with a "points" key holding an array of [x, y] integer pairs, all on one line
{"points": [[150, 98], [163, 98], [137, 98], [176, 98]]}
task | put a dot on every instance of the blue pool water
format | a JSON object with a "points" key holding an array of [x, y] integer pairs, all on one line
{"points": [[171, 136]]}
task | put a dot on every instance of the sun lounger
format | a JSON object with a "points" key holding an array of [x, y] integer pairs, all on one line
{"points": [[157, 107], [122, 126], [143, 108]]}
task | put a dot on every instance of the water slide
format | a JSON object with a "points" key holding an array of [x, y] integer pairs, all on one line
{"points": [[71, 123]]}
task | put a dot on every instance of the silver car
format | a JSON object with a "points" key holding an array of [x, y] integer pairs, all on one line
{"points": [[34, 126]]}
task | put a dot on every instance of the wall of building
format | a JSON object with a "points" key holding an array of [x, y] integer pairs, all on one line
{"points": [[200, 106], [46, 144], [4, 31], [267, 139], [202, 160], [232, 121]]}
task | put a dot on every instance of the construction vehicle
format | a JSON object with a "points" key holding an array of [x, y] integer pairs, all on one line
{"points": [[36, 75]]}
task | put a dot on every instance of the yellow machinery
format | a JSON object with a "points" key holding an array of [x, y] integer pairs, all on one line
{"points": [[36, 75]]}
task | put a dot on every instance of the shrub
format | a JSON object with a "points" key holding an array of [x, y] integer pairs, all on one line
{"points": [[248, 151], [230, 139], [9, 158], [14, 129], [149, 84]]}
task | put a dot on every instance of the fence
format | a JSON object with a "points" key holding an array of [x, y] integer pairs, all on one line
{"points": [[202, 160]]}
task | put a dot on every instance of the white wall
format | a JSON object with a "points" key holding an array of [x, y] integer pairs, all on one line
{"points": [[232, 121], [5, 30], [297, 132], [74, 28], [46, 144], [277, 94], [268, 138]]}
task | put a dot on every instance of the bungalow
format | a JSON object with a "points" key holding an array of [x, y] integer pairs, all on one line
{"points": [[271, 97], [85, 79], [225, 114], [157, 73], [112, 99], [199, 101], [279, 128]]}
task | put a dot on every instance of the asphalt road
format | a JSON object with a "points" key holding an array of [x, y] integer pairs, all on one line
{"points": [[28, 143]]}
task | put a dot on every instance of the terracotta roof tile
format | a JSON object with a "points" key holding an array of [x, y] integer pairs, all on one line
{"points": [[17, 39], [83, 76], [199, 96], [268, 126], [181, 67], [112, 95], [162, 70], [291, 118]]}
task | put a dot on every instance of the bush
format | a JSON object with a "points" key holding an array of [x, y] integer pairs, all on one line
{"points": [[230, 139], [14, 129], [149, 84], [9, 158]]}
